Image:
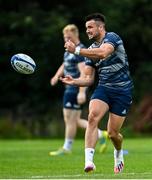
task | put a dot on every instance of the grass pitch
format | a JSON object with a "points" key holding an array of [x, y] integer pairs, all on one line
{"points": [[29, 159]]}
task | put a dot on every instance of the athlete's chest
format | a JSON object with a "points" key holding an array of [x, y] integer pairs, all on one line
{"points": [[70, 60]]}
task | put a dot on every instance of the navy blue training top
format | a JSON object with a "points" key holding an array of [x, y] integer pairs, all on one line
{"points": [[113, 71], [71, 67]]}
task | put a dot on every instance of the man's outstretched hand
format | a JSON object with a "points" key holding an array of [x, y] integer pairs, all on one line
{"points": [[67, 80]]}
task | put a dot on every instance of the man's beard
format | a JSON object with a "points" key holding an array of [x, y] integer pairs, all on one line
{"points": [[91, 37]]}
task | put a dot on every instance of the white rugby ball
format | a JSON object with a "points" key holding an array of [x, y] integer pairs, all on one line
{"points": [[23, 63]]}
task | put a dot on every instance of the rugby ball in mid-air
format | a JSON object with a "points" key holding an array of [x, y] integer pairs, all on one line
{"points": [[23, 63]]}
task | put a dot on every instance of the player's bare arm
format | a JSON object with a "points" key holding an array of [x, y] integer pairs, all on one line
{"points": [[59, 73], [96, 53], [81, 97], [86, 80]]}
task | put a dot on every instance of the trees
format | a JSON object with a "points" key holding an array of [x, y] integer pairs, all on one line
{"points": [[35, 28]]}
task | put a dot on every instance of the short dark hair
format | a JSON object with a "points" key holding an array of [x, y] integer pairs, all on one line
{"points": [[96, 17]]}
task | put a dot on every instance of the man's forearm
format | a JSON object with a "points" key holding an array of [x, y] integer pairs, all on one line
{"points": [[82, 82], [60, 71], [94, 53]]}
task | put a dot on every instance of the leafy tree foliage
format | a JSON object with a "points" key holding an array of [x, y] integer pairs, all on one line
{"points": [[35, 28]]}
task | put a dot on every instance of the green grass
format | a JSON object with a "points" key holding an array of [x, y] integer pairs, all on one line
{"points": [[30, 159]]}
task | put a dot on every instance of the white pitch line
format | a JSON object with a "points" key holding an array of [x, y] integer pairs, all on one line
{"points": [[87, 175]]}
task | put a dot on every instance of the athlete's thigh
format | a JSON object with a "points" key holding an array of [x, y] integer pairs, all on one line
{"points": [[97, 108], [71, 115], [115, 122]]}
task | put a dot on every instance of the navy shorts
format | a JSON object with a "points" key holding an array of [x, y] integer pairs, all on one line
{"points": [[70, 101], [118, 101]]}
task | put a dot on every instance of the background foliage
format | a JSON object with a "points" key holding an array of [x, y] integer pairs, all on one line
{"points": [[29, 106]]}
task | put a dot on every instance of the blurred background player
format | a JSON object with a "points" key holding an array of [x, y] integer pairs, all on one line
{"points": [[74, 96]]}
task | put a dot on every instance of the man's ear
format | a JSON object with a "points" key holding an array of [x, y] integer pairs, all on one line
{"points": [[101, 27]]}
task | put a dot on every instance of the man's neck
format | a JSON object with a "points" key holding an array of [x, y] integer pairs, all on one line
{"points": [[102, 35]]}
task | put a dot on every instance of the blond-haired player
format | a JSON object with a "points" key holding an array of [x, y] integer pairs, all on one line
{"points": [[74, 96]]}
